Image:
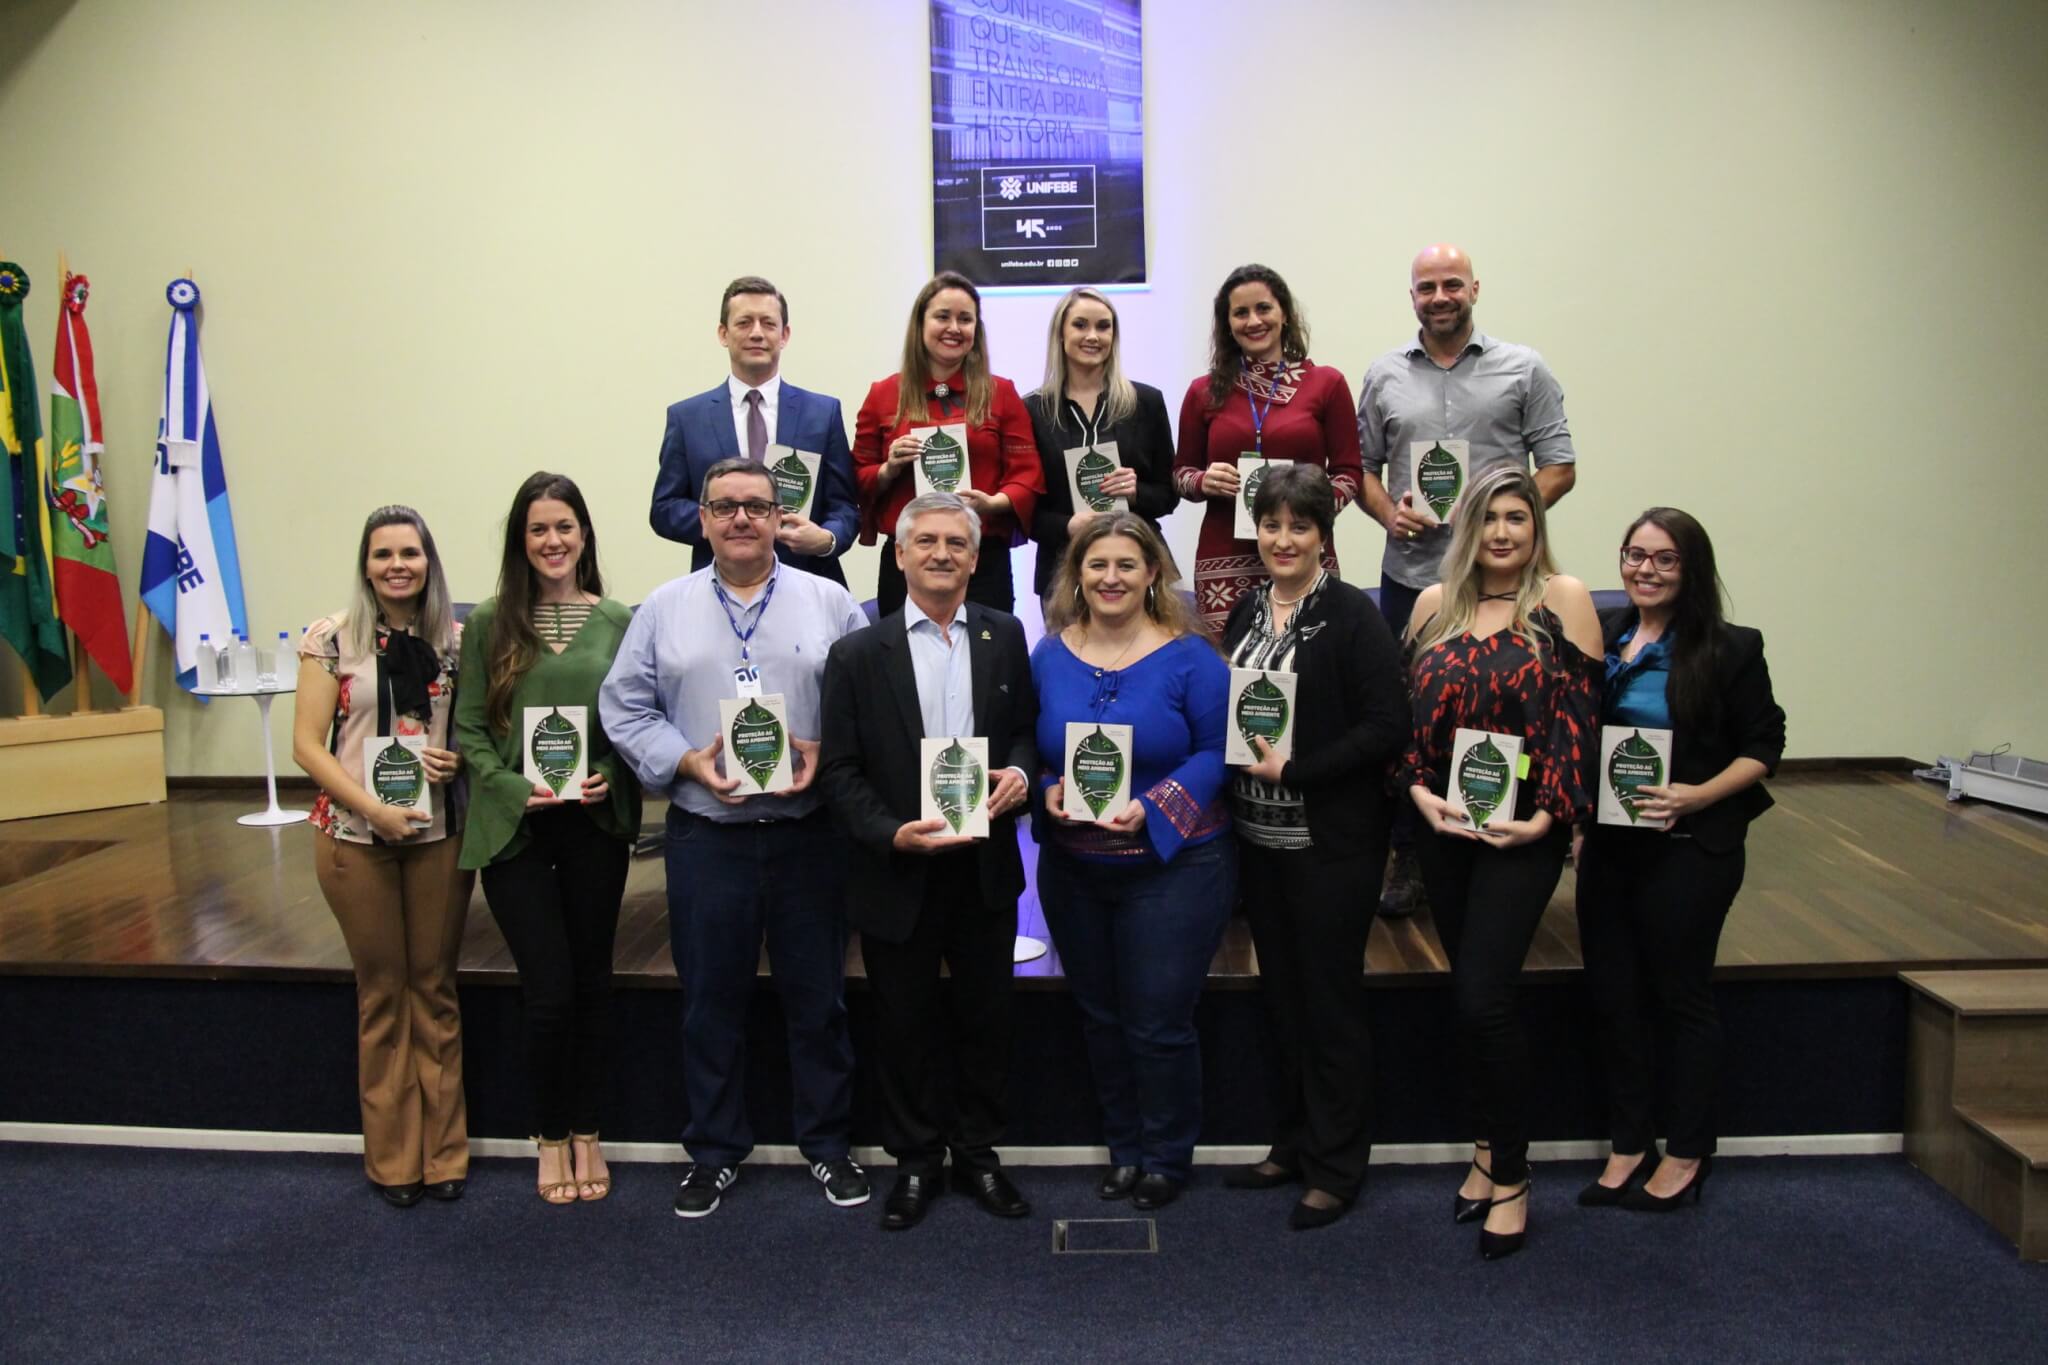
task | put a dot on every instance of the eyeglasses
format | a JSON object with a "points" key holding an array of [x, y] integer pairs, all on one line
{"points": [[1635, 556], [725, 509]]}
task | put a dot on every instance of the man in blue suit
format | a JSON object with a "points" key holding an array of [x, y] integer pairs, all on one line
{"points": [[751, 412]]}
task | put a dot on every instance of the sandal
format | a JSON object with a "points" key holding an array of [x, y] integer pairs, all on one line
{"points": [[601, 1184], [556, 1191], [1465, 1210]]}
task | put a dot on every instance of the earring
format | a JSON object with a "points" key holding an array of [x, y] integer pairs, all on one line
{"points": [[1152, 598]]}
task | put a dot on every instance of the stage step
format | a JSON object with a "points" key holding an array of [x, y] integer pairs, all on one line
{"points": [[1977, 1095]]}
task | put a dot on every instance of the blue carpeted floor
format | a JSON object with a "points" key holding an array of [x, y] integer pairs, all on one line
{"points": [[159, 1256]]}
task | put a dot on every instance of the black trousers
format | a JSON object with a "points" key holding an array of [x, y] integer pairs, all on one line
{"points": [[990, 586], [557, 903], [937, 1098], [1487, 902], [1651, 907], [1309, 924]]}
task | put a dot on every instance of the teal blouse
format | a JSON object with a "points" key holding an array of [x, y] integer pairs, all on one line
{"points": [[497, 787]]}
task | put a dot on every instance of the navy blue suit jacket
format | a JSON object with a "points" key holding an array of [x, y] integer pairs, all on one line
{"points": [[700, 433]]}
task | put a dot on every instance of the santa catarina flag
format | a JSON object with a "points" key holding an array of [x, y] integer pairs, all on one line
{"points": [[191, 575], [88, 592], [28, 607]]}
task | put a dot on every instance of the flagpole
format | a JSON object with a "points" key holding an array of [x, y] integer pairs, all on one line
{"points": [[138, 650]]}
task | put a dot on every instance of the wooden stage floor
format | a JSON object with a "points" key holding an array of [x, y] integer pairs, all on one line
{"points": [[1853, 874]]}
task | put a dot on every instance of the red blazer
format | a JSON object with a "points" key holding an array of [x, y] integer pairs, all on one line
{"points": [[1002, 457]]}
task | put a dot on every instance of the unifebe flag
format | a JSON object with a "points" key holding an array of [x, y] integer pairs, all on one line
{"points": [[28, 608], [88, 592], [191, 575]]}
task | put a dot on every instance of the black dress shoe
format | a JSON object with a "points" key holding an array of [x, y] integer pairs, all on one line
{"points": [[1154, 1191], [1117, 1183], [907, 1201], [1599, 1196], [1638, 1199], [1253, 1177], [447, 1191], [402, 1196], [993, 1191], [1305, 1217]]}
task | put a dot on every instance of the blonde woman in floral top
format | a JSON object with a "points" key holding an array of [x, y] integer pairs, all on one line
{"points": [[384, 670]]}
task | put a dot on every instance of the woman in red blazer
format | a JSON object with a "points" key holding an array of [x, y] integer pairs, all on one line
{"points": [[945, 380]]}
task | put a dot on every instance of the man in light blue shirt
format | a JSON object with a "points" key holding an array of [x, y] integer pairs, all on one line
{"points": [[741, 868]]}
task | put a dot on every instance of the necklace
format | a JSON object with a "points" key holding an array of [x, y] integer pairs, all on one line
{"points": [[1308, 592], [1110, 667]]}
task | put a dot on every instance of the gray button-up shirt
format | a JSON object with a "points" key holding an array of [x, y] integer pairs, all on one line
{"points": [[660, 699], [1499, 397]]}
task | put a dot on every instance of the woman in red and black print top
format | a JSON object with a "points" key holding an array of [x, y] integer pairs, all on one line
{"points": [[1504, 644]]}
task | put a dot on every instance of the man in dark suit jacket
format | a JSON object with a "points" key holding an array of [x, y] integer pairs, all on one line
{"points": [[940, 667], [743, 418]]}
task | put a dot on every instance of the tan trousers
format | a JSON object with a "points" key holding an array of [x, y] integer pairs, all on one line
{"points": [[401, 910]]}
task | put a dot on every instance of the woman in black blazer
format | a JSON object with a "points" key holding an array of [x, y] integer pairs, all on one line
{"points": [[1312, 835], [1652, 901], [1085, 402]]}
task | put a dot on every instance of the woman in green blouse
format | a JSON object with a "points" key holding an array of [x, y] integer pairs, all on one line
{"points": [[553, 812]]}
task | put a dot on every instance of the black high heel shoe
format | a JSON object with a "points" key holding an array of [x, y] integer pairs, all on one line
{"points": [[1599, 1196], [1495, 1245], [1465, 1210], [1640, 1200]]}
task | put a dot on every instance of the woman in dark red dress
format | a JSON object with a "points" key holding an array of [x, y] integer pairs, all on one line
{"points": [[1507, 645], [1262, 396]]}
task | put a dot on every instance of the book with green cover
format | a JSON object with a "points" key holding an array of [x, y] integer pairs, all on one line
{"points": [[1262, 704], [1485, 774], [557, 748], [795, 473], [395, 773], [1087, 467], [757, 748], [953, 784], [1631, 757], [1097, 771], [1251, 472], [941, 467], [1441, 469]]}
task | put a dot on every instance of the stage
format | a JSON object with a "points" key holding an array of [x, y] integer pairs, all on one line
{"points": [[167, 967]]}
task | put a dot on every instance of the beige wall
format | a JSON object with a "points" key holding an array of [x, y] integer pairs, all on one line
{"points": [[1784, 259]]}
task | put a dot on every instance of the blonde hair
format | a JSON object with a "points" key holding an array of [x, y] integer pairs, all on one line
{"points": [[1120, 400], [1068, 605], [1460, 574], [917, 362], [436, 620]]}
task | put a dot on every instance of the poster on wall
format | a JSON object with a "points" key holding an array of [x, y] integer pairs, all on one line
{"points": [[1038, 161]]}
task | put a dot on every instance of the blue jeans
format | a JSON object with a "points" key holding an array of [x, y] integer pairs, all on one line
{"points": [[728, 885], [1136, 942]]}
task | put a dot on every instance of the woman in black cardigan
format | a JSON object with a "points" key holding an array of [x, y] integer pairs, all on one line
{"points": [[1652, 901], [1312, 832], [1085, 402]]}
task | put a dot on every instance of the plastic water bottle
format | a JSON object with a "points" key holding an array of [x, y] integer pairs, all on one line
{"points": [[224, 668], [208, 665], [245, 662]]}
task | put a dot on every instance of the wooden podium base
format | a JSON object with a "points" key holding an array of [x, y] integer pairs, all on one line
{"points": [[50, 765]]}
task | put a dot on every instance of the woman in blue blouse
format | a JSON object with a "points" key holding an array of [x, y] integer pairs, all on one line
{"points": [[1652, 900], [1136, 903]]}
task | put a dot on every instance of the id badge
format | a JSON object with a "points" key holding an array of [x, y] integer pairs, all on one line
{"points": [[747, 679]]}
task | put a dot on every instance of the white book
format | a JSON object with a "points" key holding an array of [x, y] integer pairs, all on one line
{"points": [[1087, 467], [1098, 771], [1631, 756], [1485, 773], [1439, 472], [953, 784], [757, 749], [795, 473], [395, 771], [557, 748], [1251, 472], [1262, 704], [941, 467]]}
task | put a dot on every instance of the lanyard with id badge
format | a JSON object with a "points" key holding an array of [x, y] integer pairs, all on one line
{"points": [[1252, 465], [753, 723]]}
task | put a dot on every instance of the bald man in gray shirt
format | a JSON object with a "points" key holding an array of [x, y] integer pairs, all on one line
{"points": [[1450, 383]]}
